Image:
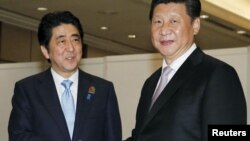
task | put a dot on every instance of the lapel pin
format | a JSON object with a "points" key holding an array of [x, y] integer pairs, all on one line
{"points": [[91, 92], [88, 97]]}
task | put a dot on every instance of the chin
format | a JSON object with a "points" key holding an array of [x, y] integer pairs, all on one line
{"points": [[71, 67]]}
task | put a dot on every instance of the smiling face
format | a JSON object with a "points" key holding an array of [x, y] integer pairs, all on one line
{"points": [[172, 30], [65, 49]]}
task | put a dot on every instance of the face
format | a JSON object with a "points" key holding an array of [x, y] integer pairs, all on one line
{"points": [[65, 49], [172, 30]]}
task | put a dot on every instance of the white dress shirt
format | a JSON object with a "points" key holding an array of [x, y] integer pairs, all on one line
{"points": [[58, 79], [176, 64]]}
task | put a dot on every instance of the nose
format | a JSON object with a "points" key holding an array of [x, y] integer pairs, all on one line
{"points": [[165, 29], [70, 46]]}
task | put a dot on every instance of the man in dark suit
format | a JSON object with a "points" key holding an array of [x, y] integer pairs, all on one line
{"points": [[41, 111], [200, 90]]}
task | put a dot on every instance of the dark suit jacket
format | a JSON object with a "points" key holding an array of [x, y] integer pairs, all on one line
{"points": [[37, 113], [203, 91]]}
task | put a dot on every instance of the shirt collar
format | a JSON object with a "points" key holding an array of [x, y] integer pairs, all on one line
{"points": [[58, 78], [176, 64]]}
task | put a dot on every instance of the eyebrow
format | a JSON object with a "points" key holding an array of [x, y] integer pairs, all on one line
{"points": [[60, 36], [73, 35]]}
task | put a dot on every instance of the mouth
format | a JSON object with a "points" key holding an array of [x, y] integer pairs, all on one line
{"points": [[69, 58], [166, 42]]}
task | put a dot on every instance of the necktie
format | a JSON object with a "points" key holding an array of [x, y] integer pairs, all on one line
{"points": [[68, 106], [163, 82]]}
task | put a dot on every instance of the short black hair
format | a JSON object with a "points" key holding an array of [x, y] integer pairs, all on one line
{"points": [[193, 7], [54, 19]]}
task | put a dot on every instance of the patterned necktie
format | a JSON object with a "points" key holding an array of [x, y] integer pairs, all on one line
{"points": [[163, 82], [68, 106]]}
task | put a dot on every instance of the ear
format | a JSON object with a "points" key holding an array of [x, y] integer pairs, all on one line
{"points": [[45, 52], [196, 25]]}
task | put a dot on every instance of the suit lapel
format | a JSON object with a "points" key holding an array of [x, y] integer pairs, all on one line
{"points": [[145, 99], [176, 82], [84, 103], [48, 94], [150, 88]]}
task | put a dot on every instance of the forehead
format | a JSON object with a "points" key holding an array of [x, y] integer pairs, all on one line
{"points": [[171, 9], [64, 30]]}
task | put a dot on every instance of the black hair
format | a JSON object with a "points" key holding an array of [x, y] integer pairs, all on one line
{"points": [[52, 20], [193, 7]]}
